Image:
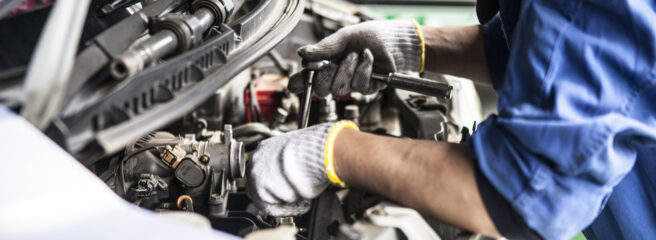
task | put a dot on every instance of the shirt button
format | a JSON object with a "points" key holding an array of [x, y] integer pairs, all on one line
{"points": [[539, 180]]}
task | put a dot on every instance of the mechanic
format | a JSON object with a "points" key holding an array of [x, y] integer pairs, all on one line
{"points": [[577, 121]]}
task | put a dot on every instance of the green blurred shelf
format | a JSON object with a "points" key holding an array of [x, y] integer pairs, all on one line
{"points": [[427, 15]]}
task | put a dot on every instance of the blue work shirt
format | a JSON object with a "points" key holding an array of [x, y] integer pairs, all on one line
{"points": [[574, 142]]}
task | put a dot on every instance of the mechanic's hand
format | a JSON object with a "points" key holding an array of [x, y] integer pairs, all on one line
{"points": [[378, 46], [287, 171]]}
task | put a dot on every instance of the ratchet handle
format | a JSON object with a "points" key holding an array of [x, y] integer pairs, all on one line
{"points": [[416, 84]]}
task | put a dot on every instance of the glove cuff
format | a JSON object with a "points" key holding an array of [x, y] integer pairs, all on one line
{"points": [[329, 161], [406, 46]]}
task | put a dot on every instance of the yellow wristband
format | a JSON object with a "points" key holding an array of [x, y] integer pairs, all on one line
{"points": [[423, 45], [329, 161]]}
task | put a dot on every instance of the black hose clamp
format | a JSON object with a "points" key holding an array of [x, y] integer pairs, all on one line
{"points": [[176, 24], [187, 29], [221, 9]]}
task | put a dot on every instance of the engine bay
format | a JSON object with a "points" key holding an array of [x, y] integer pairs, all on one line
{"points": [[168, 100]]}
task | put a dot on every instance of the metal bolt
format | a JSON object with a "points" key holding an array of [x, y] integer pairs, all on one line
{"points": [[285, 221], [194, 147], [328, 110], [205, 159], [281, 115]]}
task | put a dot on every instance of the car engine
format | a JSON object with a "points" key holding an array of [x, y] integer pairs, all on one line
{"points": [[166, 101]]}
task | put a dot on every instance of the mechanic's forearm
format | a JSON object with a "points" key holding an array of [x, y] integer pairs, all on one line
{"points": [[456, 51], [433, 177]]}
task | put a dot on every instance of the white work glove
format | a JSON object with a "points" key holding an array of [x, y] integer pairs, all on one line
{"points": [[287, 171], [380, 46]]}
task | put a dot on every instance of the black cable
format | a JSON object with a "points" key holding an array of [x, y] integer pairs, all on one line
{"points": [[254, 104], [280, 63], [121, 167], [106, 179]]}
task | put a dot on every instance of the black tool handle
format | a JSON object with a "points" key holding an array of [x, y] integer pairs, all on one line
{"points": [[416, 84]]}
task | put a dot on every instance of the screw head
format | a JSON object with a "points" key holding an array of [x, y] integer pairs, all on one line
{"points": [[205, 159]]}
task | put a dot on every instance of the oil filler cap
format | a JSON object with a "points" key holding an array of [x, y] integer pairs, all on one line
{"points": [[190, 173]]}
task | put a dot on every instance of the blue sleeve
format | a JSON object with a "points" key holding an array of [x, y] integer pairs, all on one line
{"points": [[570, 119], [497, 38], [496, 49]]}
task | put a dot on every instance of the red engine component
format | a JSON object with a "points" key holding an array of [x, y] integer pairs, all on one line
{"points": [[27, 5], [269, 89]]}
